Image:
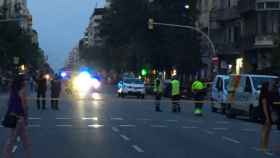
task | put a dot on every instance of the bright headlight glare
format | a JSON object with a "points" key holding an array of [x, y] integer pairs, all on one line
{"points": [[96, 84], [83, 82]]}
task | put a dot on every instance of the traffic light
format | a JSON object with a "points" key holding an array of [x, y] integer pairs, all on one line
{"points": [[151, 24], [144, 72]]}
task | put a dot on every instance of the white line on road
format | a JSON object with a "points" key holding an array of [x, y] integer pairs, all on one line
{"points": [[127, 125], [125, 137], [222, 122], [231, 140], [220, 129], [34, 118], [137, 148], [117, 118], [34, 126], [90, 118], [190, 127], [209, 132], [95, 126], [248, 130], [63, 118], [64, 125], [143, 119], [14, 149], [172, 120], [159, 126], [115, 129]]}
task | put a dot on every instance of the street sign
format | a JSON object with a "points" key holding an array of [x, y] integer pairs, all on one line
{"points": [[215, 60]]}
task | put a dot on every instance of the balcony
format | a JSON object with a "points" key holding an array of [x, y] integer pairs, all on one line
{"points": [[264, 41], [225, 14], [246, 6]]}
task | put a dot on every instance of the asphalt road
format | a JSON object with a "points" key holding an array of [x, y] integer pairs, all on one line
{"points": [[124, 128]]}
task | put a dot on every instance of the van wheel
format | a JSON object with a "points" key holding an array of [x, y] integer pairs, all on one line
{"points": [[252, 114], [229, 112]]}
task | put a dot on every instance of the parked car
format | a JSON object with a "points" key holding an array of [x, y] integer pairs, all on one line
{"points": [[244, 91], [219, 93], [131, 87]]}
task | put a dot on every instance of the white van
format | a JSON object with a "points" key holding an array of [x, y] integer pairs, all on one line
{"points": [[244, 93], [219, 93]]}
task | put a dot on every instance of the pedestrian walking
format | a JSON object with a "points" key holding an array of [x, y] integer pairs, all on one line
{"points": [[41, 91], [266, 119], [275, 99], [55, 92], [199, 93], [16, 118], [158, 89], [175, 94]]}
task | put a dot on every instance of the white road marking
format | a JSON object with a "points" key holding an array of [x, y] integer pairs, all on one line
{"points": [[231, 140], [220, 129], [34, 118], [248, 130], [115, 129], [209, 132], [117, 118], [222, 122], [190, 127], [172, 120], [64, 125], [125, 137], [137, 148], [14, 149], [90, 118], [127, 125], [63, 118], [95, 126], [158, 126], [34, 126], [143, 119]]}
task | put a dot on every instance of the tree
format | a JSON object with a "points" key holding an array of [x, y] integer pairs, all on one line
{"points": [[14, 42], [129, 45]]}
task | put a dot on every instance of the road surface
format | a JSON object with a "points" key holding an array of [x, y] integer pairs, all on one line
{"points": [[129, 128]]}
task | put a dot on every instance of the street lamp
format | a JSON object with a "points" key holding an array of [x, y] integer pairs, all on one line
{"points": [[187, 6]]}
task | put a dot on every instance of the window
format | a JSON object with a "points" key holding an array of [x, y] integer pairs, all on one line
{"points": [[248, 87], [260, 5], [272, 5]]}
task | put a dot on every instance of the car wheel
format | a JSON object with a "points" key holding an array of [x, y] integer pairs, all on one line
{"points": [[252, 114], [229, 112]]}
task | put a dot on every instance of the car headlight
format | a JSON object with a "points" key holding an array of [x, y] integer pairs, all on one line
{"points": [[96, 83]]}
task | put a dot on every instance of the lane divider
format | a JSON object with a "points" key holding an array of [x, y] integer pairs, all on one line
{"points": [[137, 148], [231, 140]]}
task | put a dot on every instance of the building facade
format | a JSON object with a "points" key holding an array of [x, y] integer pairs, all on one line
{"points": [[243, 31]]}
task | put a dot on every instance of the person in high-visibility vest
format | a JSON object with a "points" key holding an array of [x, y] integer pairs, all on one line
{"points": [[175, 93], [158, 89], [198, 89]]}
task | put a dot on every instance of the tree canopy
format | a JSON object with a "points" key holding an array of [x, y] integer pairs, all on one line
{"points": [[129, 45]]}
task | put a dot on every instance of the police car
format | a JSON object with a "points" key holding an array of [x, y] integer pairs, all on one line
{"points": [[131, 87]]}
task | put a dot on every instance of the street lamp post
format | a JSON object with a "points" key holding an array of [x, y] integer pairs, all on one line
{"points": [[151, 23]]}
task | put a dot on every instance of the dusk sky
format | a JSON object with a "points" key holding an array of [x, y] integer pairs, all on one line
{"points": [[60, 24]]}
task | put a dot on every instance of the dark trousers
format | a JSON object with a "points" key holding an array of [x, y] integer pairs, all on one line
{"points": [[54, 100], [198, 97], [175, 103], [41, 98], [157, 101]]}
